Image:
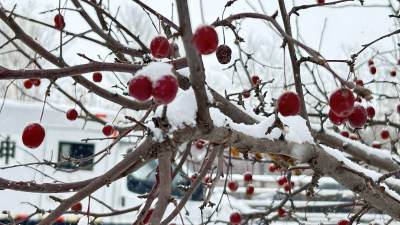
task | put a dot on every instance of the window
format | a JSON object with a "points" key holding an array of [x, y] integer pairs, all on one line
{"points": [[71, 150]]}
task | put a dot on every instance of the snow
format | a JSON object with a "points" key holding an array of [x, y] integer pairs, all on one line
{"points": [[297, 130], [370, 173], [155, 70]]}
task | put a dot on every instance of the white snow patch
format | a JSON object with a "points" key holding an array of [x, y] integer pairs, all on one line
{"points": [[155, 70], [297, 130]]}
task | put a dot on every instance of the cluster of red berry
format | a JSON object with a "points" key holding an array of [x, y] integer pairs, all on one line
{"points": [[31, 82]]}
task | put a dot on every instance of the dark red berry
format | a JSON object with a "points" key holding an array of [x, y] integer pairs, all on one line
{"points": [[160, 47], [282, 180], [233, 185], [289, 104], [77, 207], [250, 189], [108, 130], [224, 54], [398, 108], [320, 2], [140, 87], [359, 82], [343, 222], [28, 84], [246, 93], [370, 112], [281, 212], [342, 102], [345, 133], [36, 82], [358, 117], [205, 40], [72, 114], [165, 89], [200, 144], [393, 73], [247, 177], [59, 22], [97, 77], [372, 70], [370, 62], [287, 187], [376, 145], [148, 216], [255, 80], [33, 135], [335, 119], [235, 218], [272, 168], [385, 134]]}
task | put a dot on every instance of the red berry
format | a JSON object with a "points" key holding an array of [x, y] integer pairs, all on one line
{"points": [[205, 40], [97, 77], [370, 62], [287, 187], [59, 22], [199, 144], [393, 73], [398, 108], [250, 189], [165, 89], [233, 185], [28, 84], [247, 177], [335, 119], [358, 117], [72, 114], [282, 181], [342, 102], [108, 130], [281, 212], [160, 47], [354, 137], [372, 70], [370, 112], [235, 218], [33, 135], [385, 134], [255, 80], [359, 82], [148, 216], [77, 207], [320, 2], [343, 222], [140, 87], [60, 219], [272, 168], [289, 104], [36, 82], [224, 54], [246, 93], [345, 134], [376, 145], [193, 177]]}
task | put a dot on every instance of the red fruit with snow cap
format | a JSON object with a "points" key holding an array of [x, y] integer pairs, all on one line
{"points": [[165, 89], [140, 87]]}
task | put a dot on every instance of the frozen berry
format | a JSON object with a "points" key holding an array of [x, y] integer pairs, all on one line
{"points": [[342, 102], [320, 2], [205, 40], [200, 144], [224, 54], [33, 135], [108, 130], [282, 180], [255, 80], [370, 112], [72, 114], [281, 212], [385, 134], [289, 104], [272, 168], [59, 22], [28, 84], [140, 87], [246, 93], [345, 134], [97, 77], [233, 185], [160, 47], [165, 89], [335, 119], [359, 82], [370, 62], [393, 73], [235, 218], [343, 222], [372, 70], [250, 189], [247, 177], [36, 82], [358, 117]]}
